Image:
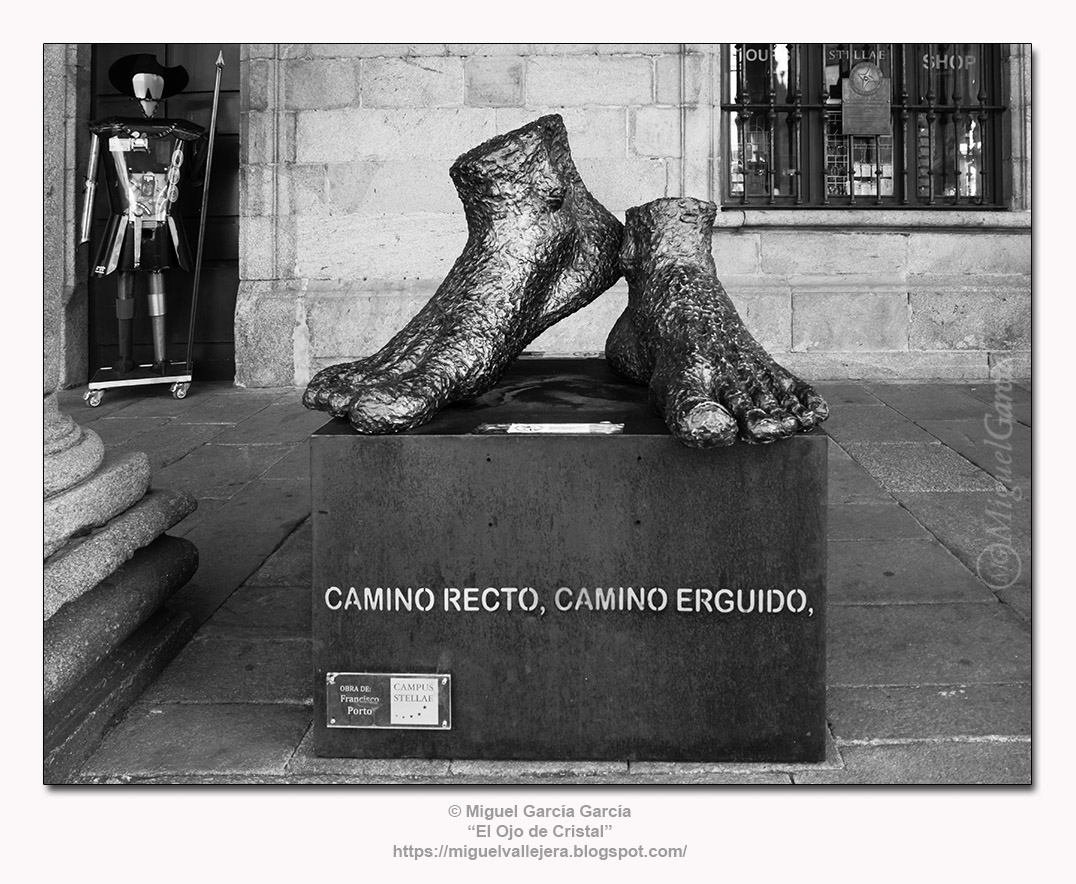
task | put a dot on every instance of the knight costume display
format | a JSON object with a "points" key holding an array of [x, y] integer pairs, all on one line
{"points": [[147, 162]]}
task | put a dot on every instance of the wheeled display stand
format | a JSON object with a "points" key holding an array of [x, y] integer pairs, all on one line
{"points": [[179, 376]]}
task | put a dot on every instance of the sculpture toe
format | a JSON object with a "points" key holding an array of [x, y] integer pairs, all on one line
{"points": [[706, 425]]}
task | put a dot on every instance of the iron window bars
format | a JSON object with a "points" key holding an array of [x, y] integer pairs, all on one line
{"points": [[782, 114]]}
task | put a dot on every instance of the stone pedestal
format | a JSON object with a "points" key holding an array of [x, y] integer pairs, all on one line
{"points": [[591, 596]]}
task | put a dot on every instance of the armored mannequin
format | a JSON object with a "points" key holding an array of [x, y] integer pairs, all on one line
{"points": [[146, 162]]}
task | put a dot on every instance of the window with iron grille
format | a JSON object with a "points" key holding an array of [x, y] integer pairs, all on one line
{"points": [[892, 125]]}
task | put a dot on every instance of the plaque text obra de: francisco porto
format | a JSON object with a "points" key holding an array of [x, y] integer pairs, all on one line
{"points": [[527, 599]]}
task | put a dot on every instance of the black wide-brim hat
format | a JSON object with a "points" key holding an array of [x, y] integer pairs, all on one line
{"points": [[123, 69]]}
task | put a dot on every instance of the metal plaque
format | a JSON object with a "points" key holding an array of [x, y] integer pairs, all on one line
{"points": [[866, 101], [603, 428], [385, 700]]}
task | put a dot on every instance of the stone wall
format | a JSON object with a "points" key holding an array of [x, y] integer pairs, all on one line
{"points": [[866, 300], [349, 220]]}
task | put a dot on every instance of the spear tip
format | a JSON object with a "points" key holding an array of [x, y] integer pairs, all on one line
{"points": [[220, 59]]}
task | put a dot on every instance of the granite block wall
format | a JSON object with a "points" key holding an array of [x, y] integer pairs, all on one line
{"points": [[349, 220]]}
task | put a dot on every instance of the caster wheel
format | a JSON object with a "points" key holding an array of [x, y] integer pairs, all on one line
{"points": [[179, 391], [93, 397]]}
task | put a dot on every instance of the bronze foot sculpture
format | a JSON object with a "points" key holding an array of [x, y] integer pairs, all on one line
{"points": [[539, 247], [680, 334]]}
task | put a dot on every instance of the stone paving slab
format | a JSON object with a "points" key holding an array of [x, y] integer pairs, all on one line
{"points": [[230, 670], [1018, 389], [536, 769], [870, 645], [207, 507], [930, 762], [873, 521], [284, 420], [263, 611], [899, 572], [236, 540], [229, 406], [220, 471], [936, 711], [988, 532], [450, 781], [871, 423], [849, 483], [207, 403], [115, 431], [1019, 598], [837, 395], [291, 564], [169, 442], [918, 466], [72, 403], [294, 465], [832, 761], [177, 740], [157, 402], [834, 451], [929, 401], [305, 763], [1016, 397], [1003, 451]]}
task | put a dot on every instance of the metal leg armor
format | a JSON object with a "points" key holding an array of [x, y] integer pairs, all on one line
{"points": [[157, 313], [125, 321]]}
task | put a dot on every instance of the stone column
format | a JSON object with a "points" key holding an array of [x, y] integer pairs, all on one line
{"points": [[270, 336], [108, 567]]}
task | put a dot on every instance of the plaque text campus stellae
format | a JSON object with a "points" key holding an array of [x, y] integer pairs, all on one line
{"points": [[383, 700]]}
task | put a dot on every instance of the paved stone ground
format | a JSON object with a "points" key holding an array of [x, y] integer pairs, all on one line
{"points": [[929, 643]]}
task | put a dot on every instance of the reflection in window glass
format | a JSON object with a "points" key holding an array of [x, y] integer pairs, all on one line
{"points": [[765, 138], [950, 82]]}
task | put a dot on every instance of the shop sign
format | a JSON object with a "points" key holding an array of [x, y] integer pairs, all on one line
{"points": [[836, 54], [865, 101], [941, 61]]}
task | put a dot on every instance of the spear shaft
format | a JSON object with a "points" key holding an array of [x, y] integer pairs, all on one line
{"points": [[201, 218]]}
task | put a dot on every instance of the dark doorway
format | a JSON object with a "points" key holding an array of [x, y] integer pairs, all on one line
{"points": [[214, 332]]}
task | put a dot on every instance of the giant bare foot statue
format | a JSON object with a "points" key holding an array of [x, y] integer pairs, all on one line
{"points": [[539, 247], [680, 334]]}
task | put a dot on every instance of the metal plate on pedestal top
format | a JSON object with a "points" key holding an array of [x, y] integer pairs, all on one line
{"points": [[603, 428], [385, 700]]}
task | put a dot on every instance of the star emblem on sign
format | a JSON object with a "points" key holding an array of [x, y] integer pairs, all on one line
{"points": [[866, 78]]}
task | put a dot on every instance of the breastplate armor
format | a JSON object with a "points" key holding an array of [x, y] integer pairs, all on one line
{"points": [[147, 164]]}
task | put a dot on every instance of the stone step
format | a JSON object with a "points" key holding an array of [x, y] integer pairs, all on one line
{"points": [[75, 725], [82, 633], [116, 486], [82, 565]]}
